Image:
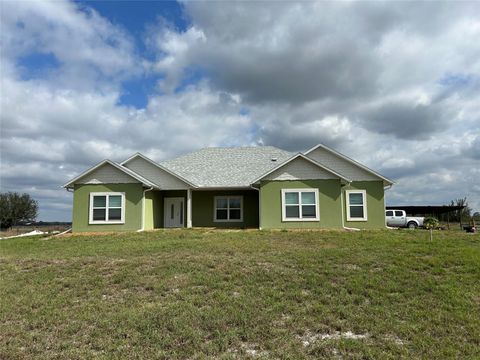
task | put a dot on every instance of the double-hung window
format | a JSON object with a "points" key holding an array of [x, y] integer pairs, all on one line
{"points": [[228, 209], [300, 205], [107, 208], [356, 205]]}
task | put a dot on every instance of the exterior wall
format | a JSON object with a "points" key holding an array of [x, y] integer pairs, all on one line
{"points": [[157, 214], [375, 204], [133, 207], [107, 174], [299, 169], [341, 166], [203, 209], [163, 179], [154, 207], [329, 204], [149, 206]]}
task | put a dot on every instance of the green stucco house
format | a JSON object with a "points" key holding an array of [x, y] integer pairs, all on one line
{"points": [[247, 187]]}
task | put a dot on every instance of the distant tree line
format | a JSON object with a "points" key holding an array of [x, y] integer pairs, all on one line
{"points": [[464, 214], [16, 208]]}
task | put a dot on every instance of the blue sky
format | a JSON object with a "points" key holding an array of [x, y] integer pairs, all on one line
{"points": [[393, 85], [136, 18], [135, 15]]}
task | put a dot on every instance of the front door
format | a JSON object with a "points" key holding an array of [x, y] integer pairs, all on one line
{"points": [[173, 212]]}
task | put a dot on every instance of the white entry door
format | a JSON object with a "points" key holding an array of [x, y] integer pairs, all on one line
{"points": [[173, 212]]}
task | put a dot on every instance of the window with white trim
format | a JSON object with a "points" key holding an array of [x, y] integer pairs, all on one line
{"points": [[107, 208], [300, 205], [356, 205], [228, 209]]}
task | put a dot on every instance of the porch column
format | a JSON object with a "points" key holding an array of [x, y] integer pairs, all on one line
{"points": [[189, 208]]}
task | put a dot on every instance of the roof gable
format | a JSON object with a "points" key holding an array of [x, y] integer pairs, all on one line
{"points": [[230, 168], [164, 178], [300, 167], [108, 172], [344, 165]]}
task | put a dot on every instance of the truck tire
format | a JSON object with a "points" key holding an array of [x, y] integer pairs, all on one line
{"points": [[412, 225]]}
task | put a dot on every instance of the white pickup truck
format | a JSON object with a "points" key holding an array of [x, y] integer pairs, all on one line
{"points": [[398, 218]]}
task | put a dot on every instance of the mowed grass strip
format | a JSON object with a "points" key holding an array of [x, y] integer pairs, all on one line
{"points": [[201, 294]]}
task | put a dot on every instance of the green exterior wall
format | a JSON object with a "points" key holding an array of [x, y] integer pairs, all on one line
{"points": [[375, 204], [203, 209], [329, 203], [157, 209], [150, 209], [154, 209], [330, 193], [133, 207]]}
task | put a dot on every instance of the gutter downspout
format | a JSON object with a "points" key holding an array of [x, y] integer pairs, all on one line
{"points": [[143, 209], [344, 206]]}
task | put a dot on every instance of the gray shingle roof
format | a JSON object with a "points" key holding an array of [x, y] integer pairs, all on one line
{"points": [[227, 167]]}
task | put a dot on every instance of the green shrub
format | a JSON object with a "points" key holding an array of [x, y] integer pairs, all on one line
{"points": [[430, 223]]}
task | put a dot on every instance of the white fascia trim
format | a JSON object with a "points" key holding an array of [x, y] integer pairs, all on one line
{"points": [[130, 158], [159, 166], [350, 160], [275, 168], [223, 188], [347, 201], [129, 172], [136, 175], [86, 172], [299, 155]]}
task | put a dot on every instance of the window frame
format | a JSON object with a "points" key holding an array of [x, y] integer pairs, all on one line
{"points": [[364, 205], [227, 197], [300, 218], [106, 221]]}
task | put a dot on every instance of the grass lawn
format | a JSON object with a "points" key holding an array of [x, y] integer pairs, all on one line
{"points": [[197, 294]]}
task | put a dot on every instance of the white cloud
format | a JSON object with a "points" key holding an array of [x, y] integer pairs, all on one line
{"points": [[395, 86], [398, 161], [88, 47], [53, 136], [174, 54]]}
